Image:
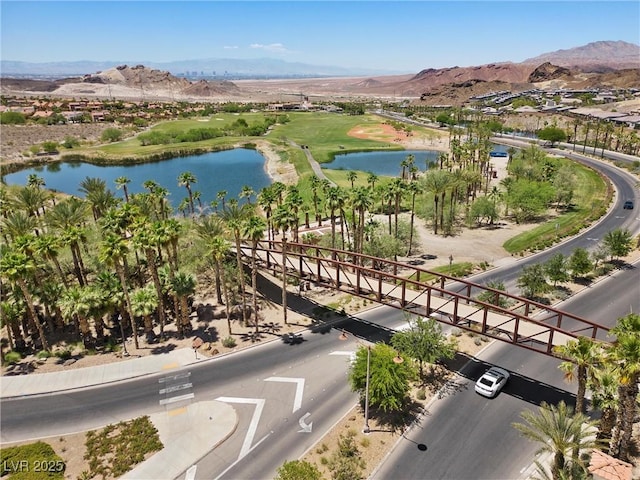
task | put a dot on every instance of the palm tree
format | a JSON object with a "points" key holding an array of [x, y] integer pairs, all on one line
{"points": [[218, 249], [604, 387], [559, 432], [361, 202], [17, 267], [266, 198], [143, 303], [98, 195], [247, 192], [121, 183], [68, 218], [315, 185], [283, 219], [625, 355], [372, 178], [11, 312], [351, 177], [47, 246], [221, 196], [335, 202], [582, 357], [186, 179], [397, 189], [209, 228], [406, 163], [234, 216], [436, 182], [253, 229], [36, 181], [294, 202], [414, 189], [147, 238], [30, 200], [17, 224], [113, 252], [75, 304], [183, 285]]}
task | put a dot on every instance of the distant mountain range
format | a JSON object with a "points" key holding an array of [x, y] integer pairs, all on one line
{"points": [[597, 56], [594, 56], [220, 68]]}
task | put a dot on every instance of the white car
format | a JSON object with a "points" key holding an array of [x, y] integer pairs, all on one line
{"points": [[489, 384]]}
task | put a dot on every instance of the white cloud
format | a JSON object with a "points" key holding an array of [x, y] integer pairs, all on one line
{"points": [[272, 47], [230, 47]]}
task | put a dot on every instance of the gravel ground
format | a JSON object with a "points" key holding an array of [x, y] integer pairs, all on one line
{"points": [[15, 140]]}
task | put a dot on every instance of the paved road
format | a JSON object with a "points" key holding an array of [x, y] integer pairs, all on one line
{"points": [[470, 437]]}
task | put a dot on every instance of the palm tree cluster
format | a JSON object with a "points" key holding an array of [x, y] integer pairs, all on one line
{"points": [[611, 371], [102, 262]]}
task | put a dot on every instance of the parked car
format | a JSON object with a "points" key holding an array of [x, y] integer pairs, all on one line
{"points": [[628, 205], [492, 381]]}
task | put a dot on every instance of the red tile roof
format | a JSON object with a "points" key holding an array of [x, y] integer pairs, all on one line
{"points": [[609, 468]]}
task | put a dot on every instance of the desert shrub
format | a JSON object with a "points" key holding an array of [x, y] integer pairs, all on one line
{"points": [[43, 354], [229, 342], [12, 357], [421, 394], [456, 332], [63, 354], [111, 135], [12, 118], [298, 470]]}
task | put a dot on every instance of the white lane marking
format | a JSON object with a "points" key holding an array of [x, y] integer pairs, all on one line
{"points": [[346, 353], [176, 399], [297, 401], [255, 419], [236, 462], [177, 376], [305, 427], [191, 473], [175, 388]]}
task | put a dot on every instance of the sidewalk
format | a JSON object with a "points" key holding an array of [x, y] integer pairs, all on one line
{"points": [[187, 430]]}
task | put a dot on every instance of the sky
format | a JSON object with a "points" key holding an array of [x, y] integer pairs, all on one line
{"points": [[394, 36]]}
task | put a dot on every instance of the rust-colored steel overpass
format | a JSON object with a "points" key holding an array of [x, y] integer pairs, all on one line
{"points": [[453, 301]]}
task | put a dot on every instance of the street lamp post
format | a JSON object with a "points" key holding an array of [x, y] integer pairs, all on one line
{"points": [[366, 394], [397, 359]]}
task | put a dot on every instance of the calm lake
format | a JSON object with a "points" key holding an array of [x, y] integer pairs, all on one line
{"points": [[228, 170], [381, 163]]}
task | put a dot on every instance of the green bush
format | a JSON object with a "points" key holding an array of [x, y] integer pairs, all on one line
{"points": [[229, 342], [34, 461], [12, 118], [43, 354], [12, 357], [63, 354]]}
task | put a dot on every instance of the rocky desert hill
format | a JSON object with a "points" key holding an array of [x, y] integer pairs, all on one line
{"points": [[594, 57], [594, 65]]}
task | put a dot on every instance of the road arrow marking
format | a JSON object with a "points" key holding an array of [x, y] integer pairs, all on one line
{"points": [[255, 419], [297, 401], [305, 428]]}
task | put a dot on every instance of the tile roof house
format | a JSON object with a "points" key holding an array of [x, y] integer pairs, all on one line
{"points": [[605, 467]]}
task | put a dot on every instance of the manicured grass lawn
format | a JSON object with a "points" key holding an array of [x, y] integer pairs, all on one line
{"points": [[325, 133], [590, 199]]}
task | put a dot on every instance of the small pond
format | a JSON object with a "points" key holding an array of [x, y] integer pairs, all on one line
{"points": [[228, 171], [385, 163]]}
